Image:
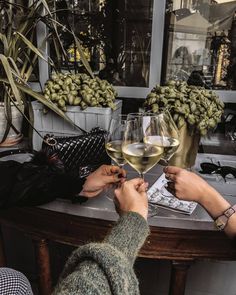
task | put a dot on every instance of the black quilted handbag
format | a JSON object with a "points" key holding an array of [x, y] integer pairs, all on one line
{"points": [[80, 154]]}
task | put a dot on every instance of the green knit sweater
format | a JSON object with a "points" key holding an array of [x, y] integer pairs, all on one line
{"points": [[106, 268]]}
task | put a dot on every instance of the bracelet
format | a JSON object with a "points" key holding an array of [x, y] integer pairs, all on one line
{"points": [[222, 220]]}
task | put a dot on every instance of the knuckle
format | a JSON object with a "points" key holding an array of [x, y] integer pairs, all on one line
{"points": [[103, 166]]}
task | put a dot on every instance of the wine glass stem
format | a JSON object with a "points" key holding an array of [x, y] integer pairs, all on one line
{"points": [[141, 175]]}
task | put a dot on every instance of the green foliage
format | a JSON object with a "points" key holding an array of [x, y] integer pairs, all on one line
{"points": [[19, 55], [79, 90], [198, 107]]}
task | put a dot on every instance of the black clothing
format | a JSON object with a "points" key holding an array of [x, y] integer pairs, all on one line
{"points": [[36, 182]]}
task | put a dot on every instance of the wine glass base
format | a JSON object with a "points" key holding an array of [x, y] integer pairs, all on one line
{"points": [[152, 210], [110, 195]]}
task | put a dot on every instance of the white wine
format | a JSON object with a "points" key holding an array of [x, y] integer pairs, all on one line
{"points": [[142, 157], [114, 151], [169, 144]]}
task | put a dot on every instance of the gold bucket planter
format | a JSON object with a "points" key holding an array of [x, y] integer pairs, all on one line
{"points": [[186, 154]]}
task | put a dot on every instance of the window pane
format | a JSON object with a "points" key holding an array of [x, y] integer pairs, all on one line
{"points": [[116, 36], [200, 38]]}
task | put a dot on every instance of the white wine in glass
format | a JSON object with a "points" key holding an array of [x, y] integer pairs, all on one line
{"points": [[169, 139], [168, 136], [169, 144], [142, 156], [115, 138], [114, 151]]}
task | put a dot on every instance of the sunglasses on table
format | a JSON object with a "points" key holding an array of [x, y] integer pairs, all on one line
{"points": [[210, 168]]}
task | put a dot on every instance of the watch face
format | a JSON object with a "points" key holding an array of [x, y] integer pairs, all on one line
{"points": [[220, 222]]}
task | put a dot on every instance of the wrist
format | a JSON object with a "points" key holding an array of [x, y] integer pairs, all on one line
{"points": [[213, 202], [143, 212]]}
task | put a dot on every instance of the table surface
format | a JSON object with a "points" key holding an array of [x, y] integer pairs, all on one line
{"points": [[103, 208]]}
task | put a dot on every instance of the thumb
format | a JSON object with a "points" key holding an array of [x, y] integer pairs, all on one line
{"points": [[143, 187], [110, 178], [136, 182]]}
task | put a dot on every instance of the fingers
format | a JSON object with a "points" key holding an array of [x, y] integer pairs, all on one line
{"points": [[136, 182], [111, 178], [171, 187], [111, 169], [172, 170], [122, 172], [143, 188], [91, 194], [113, 174], [171, 177]]}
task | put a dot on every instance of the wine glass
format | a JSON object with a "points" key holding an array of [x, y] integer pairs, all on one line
{"points": [[114, 140], [113, 145], [168, 136], [169, 140], [140, 154]]}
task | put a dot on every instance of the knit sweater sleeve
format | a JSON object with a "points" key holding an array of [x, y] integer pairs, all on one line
{"points": [[129, 234], [106, 268]]}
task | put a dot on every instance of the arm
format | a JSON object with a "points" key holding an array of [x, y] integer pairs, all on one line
{"points": [[30, 184], [107, 268], [191, 187], [43, 179]]}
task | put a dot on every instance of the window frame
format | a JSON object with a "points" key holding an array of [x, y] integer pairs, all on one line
{"points": [[156, 59]]}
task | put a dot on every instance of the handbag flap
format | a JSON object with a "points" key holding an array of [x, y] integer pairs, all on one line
{"points": [[80, 154]]}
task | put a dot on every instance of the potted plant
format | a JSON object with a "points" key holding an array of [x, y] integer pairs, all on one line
{"points": [[195, 111], [19, 57]]}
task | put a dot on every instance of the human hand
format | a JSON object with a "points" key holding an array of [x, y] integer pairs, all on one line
{"points": [[131, 196], [187, 185], [101, 178]]}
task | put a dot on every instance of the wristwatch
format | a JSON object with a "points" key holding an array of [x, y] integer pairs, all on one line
{"points": [[222, 220]]}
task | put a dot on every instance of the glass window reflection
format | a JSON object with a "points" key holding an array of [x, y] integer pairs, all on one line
{"points": [[115, 35], [201, 39]]}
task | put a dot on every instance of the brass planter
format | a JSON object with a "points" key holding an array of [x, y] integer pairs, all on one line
{"points": [[186, 154]]}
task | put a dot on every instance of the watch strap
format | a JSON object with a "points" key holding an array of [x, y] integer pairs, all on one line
{"points": [[222, 220]]}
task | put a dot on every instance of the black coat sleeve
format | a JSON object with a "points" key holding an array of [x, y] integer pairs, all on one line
{"points": [[29, 183]]}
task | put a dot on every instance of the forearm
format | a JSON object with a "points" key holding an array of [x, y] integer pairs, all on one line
{"points": [[90, 278], [129, 234], [215, 205]]}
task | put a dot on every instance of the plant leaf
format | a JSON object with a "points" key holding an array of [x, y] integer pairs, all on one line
{"points": [[11, 81], [42, 99], [31, 46], [6, 106], [11, 60], [82, 56], [5, 43], [79, 47], [45, 5]]}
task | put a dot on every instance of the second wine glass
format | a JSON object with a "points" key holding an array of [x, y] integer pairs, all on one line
{"points": [[115, 138], [167, 135], [141, 155]]}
